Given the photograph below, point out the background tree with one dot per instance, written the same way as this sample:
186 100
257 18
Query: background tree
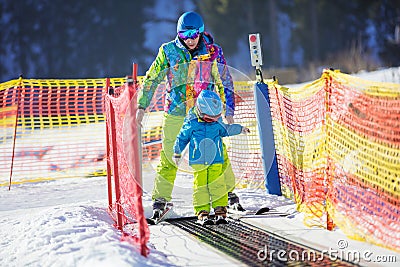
385 16
222 19
71 39
231 21
81 39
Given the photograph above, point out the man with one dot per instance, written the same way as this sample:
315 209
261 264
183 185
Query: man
191 62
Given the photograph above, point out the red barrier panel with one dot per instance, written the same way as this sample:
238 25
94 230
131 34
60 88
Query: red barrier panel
125 166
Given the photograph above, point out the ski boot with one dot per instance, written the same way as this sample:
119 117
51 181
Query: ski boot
159 211
220 215
203 218
233 204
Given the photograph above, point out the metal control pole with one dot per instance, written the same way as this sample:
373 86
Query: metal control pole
256 54
264 120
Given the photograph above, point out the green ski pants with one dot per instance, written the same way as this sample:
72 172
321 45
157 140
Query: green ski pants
208 187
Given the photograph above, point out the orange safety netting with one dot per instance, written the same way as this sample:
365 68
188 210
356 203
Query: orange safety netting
125 206
243 150
51 129
338 150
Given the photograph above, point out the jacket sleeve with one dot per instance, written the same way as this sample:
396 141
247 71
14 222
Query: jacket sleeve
224 83
154 76
183 137
230 129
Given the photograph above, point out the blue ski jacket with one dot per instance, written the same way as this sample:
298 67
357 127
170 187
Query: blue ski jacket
205 139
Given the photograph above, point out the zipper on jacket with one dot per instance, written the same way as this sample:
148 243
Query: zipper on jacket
194 150
219 147
200 71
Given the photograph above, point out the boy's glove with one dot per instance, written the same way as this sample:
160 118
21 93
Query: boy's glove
176 158
245 130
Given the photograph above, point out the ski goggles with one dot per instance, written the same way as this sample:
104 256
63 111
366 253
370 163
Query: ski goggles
208 118
189 34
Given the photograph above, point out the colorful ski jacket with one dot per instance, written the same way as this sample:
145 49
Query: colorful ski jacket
205 139
187 75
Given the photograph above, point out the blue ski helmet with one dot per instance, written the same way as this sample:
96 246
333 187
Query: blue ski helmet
209 106
190 21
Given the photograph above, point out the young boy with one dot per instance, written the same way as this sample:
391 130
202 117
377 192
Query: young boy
203 129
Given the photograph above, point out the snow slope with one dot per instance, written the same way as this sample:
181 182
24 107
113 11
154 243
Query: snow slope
65 223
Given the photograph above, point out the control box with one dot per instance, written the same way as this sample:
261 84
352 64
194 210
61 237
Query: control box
255 49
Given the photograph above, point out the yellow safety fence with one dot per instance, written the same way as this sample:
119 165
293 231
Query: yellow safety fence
338 147
60 130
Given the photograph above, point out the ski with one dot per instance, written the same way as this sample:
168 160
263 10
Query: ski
206 221
212 220
248 212
236 208
163 215
220 220
262 212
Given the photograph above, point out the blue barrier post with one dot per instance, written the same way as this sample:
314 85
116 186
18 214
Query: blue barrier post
264 120
267 143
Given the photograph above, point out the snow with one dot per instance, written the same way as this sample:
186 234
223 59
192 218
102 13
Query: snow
64 223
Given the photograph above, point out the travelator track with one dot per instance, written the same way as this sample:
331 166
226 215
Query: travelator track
254 246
